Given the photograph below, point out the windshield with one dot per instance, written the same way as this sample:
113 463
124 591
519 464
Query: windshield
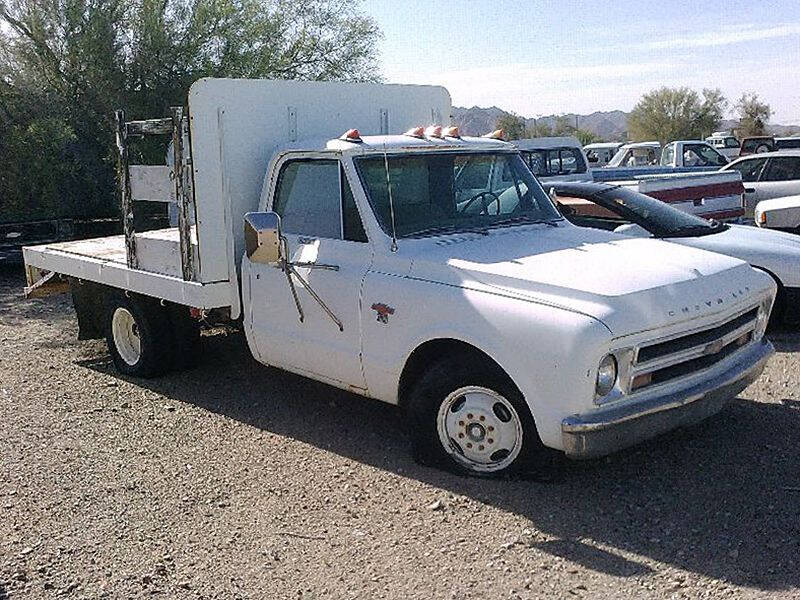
657 217
449 192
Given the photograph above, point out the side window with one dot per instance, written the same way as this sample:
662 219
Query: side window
353 226
668 156
731 142
750 169
308 198
782 168
537 163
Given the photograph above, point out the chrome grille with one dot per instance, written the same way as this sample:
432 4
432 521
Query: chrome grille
664 360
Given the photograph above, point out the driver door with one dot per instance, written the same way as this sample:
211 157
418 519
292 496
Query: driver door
323 228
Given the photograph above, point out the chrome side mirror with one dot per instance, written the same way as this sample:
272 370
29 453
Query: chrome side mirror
262 237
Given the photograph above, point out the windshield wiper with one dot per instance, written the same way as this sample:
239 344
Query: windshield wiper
445 229
526 219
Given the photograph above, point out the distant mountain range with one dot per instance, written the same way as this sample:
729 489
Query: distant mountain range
609 126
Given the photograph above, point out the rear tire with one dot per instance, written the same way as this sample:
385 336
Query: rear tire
138 335
467 416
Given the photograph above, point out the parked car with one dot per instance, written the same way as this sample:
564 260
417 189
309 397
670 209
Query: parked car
385 265
555 158
768 175
600 153
628 212
779 213
725 143
787 143
757 144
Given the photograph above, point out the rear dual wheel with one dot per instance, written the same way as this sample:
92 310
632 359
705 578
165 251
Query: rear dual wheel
146 339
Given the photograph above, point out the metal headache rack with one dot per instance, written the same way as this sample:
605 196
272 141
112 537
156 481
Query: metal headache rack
156 183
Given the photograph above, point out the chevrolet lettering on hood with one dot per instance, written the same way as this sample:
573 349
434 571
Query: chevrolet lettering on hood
686 310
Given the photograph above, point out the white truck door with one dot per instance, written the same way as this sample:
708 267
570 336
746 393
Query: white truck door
323 229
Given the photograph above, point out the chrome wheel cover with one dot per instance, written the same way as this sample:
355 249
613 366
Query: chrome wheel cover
480 429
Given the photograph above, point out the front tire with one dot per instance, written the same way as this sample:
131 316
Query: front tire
468 417
139 336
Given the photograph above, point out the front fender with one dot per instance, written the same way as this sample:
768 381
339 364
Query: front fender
550 353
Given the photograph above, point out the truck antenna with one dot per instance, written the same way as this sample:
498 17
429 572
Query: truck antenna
391 200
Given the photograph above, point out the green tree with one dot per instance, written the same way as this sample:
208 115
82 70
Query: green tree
668 114
753 115
65 66
539 129
512 124
563 126
585 136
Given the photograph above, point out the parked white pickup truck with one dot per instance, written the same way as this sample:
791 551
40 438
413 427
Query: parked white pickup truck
424 269
647 158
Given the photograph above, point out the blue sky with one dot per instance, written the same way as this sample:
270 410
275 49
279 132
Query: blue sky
541 57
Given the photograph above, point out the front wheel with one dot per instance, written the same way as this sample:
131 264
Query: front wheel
469 417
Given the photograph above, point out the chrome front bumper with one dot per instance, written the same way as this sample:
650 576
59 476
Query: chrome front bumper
607 430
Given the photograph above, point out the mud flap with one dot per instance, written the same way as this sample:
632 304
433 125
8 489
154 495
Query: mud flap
89 300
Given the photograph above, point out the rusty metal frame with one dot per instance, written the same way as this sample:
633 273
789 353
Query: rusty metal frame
180 173
124 186
176 126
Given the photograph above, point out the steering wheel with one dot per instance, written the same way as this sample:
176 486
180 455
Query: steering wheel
484 205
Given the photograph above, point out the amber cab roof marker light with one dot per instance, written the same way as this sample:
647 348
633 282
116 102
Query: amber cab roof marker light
434 131
351 135
417 132
497 134
451 132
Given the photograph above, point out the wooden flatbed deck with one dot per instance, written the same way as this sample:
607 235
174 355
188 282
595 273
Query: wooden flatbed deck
103 260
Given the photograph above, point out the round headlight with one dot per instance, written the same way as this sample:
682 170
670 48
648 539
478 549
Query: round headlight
606 375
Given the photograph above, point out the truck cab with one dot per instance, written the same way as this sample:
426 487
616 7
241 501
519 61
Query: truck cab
555 158
599 154
691 154
725 143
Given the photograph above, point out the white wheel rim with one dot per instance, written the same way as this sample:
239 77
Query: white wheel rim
126 336
480 429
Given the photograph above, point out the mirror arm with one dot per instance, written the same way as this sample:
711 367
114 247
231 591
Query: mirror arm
310 265
290 269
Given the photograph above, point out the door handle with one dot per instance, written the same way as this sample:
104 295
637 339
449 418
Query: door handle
306 240
749 190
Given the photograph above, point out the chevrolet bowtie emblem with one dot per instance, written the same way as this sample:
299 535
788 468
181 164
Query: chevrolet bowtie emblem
713 347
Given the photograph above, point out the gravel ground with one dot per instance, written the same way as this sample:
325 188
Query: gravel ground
238 481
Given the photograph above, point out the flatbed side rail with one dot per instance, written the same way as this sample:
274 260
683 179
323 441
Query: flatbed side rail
156 183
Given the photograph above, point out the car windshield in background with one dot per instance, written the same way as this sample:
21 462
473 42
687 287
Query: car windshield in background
657 217
445 193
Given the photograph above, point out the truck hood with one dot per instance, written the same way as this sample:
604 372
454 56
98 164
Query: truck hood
629 284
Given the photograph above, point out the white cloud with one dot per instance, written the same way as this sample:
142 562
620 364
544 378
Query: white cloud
730 35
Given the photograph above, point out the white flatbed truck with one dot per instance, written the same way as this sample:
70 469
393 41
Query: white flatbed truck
424 269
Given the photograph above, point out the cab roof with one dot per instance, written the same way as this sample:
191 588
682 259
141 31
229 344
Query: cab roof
547 142
396 144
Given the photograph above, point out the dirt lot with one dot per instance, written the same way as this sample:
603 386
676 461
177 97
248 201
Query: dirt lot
238 481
